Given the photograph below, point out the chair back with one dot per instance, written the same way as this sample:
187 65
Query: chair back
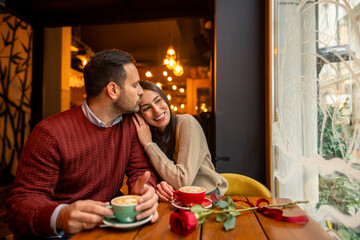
240 185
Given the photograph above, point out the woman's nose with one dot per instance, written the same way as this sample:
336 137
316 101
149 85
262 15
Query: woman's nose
156 109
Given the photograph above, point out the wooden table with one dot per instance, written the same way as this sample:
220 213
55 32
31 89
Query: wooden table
249 225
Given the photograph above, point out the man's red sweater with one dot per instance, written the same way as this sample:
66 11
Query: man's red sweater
67 158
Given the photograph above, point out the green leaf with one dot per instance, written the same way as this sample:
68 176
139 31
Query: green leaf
229 223
222 204
220 217
197 208
201 219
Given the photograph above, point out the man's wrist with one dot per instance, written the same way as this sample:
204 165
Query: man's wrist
54 220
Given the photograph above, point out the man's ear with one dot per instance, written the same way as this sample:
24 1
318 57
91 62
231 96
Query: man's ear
113 90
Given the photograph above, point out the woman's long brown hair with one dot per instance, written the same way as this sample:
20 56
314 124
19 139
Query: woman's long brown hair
165 140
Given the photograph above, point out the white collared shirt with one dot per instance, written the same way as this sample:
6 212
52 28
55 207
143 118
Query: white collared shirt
91 116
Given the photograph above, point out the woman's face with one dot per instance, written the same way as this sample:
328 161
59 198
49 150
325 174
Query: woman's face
154 110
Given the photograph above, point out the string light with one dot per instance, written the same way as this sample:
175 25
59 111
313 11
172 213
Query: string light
182 90
174 87
169 79
148 74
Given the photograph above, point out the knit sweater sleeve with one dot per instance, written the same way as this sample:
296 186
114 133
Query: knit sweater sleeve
190 151
138 163
29 204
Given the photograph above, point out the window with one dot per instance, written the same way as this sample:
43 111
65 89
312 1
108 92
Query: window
316 109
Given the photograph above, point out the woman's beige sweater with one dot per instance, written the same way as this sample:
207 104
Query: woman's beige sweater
192 158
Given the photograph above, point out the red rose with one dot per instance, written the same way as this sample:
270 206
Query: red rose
183 222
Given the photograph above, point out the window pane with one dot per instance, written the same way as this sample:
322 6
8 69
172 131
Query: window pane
315 132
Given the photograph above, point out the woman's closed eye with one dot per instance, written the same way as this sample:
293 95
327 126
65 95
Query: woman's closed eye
145 109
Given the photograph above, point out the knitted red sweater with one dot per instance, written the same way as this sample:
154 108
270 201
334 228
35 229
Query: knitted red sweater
68 158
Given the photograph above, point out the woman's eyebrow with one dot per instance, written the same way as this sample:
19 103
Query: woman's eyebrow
148 104
156 98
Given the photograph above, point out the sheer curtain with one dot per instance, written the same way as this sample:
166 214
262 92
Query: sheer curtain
315 105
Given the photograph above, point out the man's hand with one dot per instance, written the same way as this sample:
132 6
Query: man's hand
148 202
81 215
164 191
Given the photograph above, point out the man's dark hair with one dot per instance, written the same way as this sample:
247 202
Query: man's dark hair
104 67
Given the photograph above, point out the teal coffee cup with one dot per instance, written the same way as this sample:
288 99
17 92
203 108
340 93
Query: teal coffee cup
124 208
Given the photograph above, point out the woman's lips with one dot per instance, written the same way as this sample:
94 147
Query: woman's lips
160 117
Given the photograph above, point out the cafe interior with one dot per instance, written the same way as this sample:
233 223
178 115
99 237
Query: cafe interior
220 61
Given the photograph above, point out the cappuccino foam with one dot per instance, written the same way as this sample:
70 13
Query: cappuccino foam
192 189
126 200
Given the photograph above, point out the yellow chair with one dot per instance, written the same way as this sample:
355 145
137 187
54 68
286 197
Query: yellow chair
240 185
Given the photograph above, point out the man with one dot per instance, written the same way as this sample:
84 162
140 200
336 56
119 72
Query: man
74 162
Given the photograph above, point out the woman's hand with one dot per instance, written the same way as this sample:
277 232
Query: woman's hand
164 191
142 129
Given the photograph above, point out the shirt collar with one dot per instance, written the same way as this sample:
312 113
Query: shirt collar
91 116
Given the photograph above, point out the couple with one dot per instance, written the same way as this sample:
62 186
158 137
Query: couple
74 162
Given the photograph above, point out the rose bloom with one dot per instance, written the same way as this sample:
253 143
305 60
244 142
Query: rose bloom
183 222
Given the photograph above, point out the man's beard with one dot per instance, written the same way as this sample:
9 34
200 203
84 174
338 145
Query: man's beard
120 106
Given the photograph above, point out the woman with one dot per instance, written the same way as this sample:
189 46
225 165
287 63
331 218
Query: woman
176 146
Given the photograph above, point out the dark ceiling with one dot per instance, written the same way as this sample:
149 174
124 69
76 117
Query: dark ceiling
145 28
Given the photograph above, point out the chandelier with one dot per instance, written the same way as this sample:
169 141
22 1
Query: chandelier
173 63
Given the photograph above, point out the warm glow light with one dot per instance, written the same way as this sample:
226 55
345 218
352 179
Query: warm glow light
175 108
172 106
169 97
169 79
182 90
148 74
166 61
171 63
84 62
182 105
165 73
174 87
178 69
170 51
159 85
347 81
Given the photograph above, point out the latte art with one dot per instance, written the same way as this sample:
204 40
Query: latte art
192 189
126 200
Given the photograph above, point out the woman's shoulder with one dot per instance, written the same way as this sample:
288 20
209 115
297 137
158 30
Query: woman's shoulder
187 120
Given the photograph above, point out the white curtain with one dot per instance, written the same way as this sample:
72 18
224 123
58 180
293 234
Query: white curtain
315 129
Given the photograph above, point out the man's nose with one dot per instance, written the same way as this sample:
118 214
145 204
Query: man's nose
141 91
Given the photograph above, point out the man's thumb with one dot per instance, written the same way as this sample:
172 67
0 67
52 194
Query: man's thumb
143 179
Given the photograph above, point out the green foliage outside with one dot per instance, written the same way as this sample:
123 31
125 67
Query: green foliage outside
337 191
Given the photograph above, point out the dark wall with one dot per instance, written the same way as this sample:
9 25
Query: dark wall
240 87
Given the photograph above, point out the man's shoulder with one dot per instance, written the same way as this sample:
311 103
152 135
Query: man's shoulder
60 118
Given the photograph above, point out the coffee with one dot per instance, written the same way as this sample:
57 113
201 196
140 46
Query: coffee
124 208
192 189
126 200
190 195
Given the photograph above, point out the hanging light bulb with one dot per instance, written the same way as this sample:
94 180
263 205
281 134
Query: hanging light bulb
171 63
178 69
170 51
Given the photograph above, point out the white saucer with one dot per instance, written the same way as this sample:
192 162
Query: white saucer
206 203
113 222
